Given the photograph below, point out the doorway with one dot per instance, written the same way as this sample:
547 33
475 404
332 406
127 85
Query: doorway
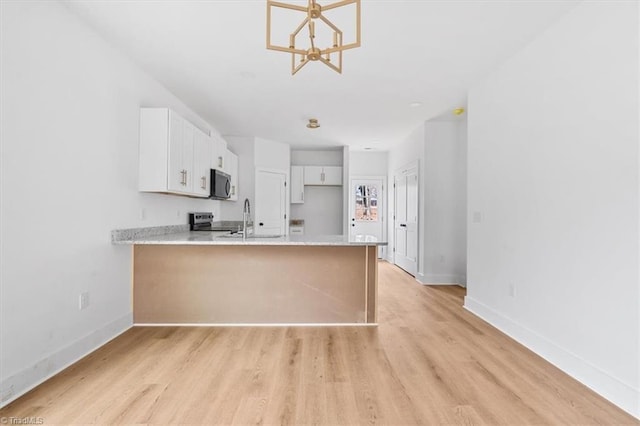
405 219
366 207
271 202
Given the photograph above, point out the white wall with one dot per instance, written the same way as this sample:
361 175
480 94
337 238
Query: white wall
368 163
272 155
322 209
69 154
553 176
445 225
316 157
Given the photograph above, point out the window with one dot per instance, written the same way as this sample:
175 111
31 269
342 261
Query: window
366 203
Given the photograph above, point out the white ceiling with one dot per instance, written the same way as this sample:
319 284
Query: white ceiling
212 55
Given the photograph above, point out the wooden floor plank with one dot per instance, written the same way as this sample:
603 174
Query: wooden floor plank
428 362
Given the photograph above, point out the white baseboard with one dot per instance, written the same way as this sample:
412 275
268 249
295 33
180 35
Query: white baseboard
609 387
13 387
441 279
199 324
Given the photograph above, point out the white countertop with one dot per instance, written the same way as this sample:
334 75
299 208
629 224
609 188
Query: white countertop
217 238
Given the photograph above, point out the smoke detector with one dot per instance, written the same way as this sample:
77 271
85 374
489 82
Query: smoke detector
313 123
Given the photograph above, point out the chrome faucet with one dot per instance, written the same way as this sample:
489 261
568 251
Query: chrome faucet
246 216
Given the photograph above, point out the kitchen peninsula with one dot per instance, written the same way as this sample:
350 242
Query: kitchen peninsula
214 278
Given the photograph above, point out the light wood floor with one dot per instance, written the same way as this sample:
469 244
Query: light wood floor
429 362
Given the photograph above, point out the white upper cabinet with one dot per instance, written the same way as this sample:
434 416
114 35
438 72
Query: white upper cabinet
297 184
219 154
232 167
332 175
188 135
313 175
177 173
323 175
175 155
201 163
225 161
167 152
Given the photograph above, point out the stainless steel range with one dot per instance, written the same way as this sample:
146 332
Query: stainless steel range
202 221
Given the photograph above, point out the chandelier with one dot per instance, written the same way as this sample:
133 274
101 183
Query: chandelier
305 49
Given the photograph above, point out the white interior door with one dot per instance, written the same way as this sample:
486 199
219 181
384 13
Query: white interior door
366 208
270 216
406 220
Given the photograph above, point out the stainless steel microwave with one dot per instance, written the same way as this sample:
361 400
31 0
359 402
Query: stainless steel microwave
220 185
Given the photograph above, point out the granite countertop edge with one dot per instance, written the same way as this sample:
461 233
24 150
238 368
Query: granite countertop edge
179 235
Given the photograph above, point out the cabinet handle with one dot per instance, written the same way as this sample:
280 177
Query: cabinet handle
185 177
233 190
220 162
302 195
204 182
322 176
183 181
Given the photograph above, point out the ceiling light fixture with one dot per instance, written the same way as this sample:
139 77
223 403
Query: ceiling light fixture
313 123
310 51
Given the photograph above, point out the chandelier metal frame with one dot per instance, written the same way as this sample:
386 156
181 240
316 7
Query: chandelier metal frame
313 12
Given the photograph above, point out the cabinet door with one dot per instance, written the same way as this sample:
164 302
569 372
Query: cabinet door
232 165
332 175
201 160
176 175
219 154
188 135
313 175
297 184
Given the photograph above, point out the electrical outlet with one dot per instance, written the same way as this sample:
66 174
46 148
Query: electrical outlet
512 290
83 300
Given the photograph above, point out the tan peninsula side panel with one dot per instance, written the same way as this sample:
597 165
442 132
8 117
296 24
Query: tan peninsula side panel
252 284
372 283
